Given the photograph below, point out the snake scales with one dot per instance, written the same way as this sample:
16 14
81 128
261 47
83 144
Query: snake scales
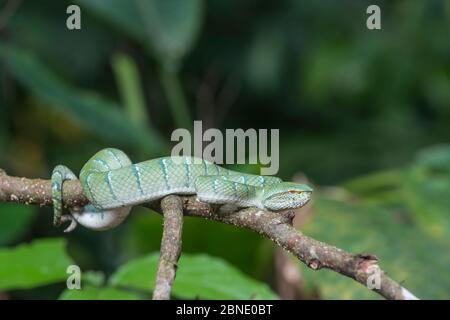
113 184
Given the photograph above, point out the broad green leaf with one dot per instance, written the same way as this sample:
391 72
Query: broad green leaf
426 186
96 114
123 15
171 26
144 235
409 255
31 265
93 293
168 28
14 221
198 276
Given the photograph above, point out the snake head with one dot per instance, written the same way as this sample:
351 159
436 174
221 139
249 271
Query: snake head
286 195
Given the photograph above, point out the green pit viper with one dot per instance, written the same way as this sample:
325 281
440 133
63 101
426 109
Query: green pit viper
113 184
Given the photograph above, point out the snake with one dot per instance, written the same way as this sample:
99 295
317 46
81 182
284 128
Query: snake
113 185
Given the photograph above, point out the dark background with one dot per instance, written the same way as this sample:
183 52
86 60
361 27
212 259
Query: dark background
364 115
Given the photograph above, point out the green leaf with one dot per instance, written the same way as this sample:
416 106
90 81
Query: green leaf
128 82
198 276
93 112
93 293
144 235
40 263
409 256
426 186
171 25
420 189
168 28
122 14
14 221
175 98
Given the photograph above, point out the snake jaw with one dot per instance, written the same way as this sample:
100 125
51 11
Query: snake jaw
73 223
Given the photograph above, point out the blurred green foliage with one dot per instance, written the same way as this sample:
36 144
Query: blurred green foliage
364 114
198 277
26 266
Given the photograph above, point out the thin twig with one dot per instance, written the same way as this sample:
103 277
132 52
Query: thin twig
275 226
172 208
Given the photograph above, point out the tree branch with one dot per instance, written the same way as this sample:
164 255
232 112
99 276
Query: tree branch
172 208
275 226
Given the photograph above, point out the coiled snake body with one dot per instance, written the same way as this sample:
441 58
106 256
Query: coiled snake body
113 184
